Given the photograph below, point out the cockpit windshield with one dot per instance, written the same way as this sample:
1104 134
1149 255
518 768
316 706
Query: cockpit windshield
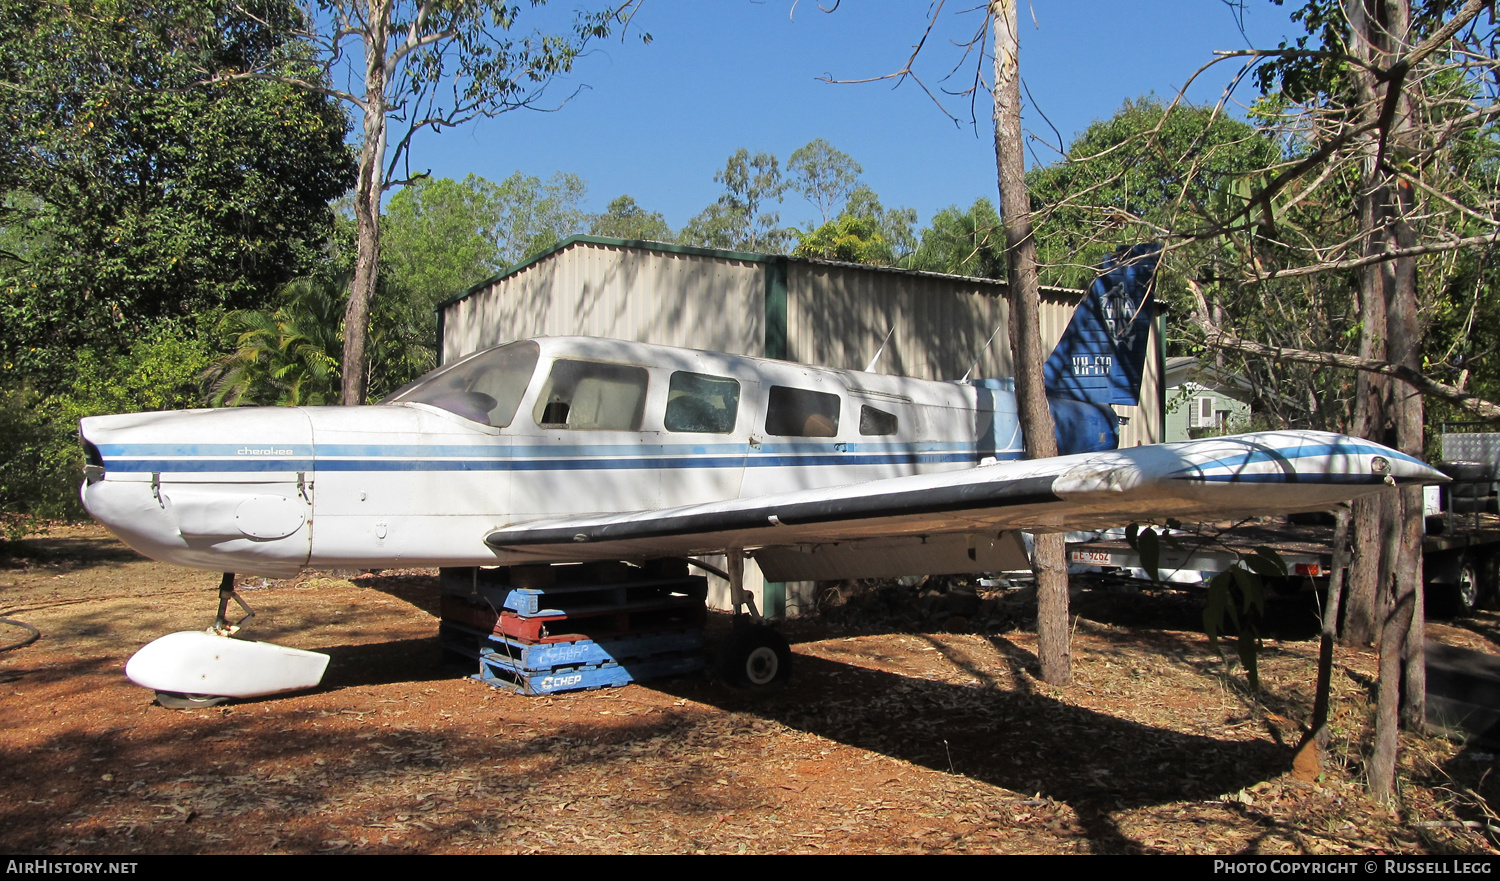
485 387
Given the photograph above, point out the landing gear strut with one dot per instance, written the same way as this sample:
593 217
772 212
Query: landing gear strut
222 627
755 656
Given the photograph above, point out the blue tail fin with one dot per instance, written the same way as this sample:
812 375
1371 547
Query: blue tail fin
1102 355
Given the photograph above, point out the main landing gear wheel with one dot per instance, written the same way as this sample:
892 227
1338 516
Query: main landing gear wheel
173 700
756 657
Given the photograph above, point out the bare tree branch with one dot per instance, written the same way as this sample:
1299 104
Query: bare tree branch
1216 337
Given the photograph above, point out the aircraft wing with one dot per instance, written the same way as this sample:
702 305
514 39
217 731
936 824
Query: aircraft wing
856 527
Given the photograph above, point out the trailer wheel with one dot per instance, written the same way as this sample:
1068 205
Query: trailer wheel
1468 588
1460 598
756 657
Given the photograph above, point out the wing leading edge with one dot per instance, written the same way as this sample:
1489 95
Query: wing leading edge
972 510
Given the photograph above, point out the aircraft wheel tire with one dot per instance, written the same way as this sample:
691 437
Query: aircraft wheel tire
756 657
173 700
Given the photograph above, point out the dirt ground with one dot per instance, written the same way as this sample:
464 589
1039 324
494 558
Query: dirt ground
894 736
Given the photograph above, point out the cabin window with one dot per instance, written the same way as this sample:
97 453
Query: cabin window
485 387
795 412
592 396
700 403
873 421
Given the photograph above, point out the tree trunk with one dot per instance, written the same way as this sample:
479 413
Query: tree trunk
1307 759
1365 610
1405 333
1381 30
1048 560
367 192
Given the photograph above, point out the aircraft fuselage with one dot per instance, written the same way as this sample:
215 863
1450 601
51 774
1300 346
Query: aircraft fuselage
551 427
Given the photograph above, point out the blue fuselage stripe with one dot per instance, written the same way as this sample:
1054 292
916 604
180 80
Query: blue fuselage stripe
151 458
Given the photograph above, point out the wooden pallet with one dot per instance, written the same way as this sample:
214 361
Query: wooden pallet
673 613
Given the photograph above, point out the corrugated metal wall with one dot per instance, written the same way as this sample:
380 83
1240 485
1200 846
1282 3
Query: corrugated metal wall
837 316
1145 425
593 289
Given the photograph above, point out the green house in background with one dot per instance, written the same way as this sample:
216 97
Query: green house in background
1203 401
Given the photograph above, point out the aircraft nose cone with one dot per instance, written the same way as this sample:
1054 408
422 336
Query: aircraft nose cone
212 489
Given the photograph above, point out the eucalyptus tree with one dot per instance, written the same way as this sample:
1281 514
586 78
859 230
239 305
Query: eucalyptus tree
741 218
824 176
623 218
962 242
897 225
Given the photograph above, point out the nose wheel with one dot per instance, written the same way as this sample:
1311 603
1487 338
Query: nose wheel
173 700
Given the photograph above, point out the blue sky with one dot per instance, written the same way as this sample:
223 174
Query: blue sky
656 121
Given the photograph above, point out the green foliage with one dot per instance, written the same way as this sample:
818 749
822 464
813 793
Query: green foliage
440 236
289 356
1236 596
823 175
1127 178
960 242
532 216
41 462
133 191
1306 76
896 224
24 440
850 239
624 219
736 221
1445 144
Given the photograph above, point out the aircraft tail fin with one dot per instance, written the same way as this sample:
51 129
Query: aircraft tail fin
1102 355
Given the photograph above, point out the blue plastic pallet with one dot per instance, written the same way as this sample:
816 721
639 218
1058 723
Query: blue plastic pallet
502 675
543 657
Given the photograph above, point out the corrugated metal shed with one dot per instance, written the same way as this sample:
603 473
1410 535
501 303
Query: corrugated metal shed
811 311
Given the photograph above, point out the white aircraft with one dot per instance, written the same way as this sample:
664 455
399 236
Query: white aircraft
571 449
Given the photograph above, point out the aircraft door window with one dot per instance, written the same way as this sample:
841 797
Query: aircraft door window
873 421
700 403
592 396
794 412
485 387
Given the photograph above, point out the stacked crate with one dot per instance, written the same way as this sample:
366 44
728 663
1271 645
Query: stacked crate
546 629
